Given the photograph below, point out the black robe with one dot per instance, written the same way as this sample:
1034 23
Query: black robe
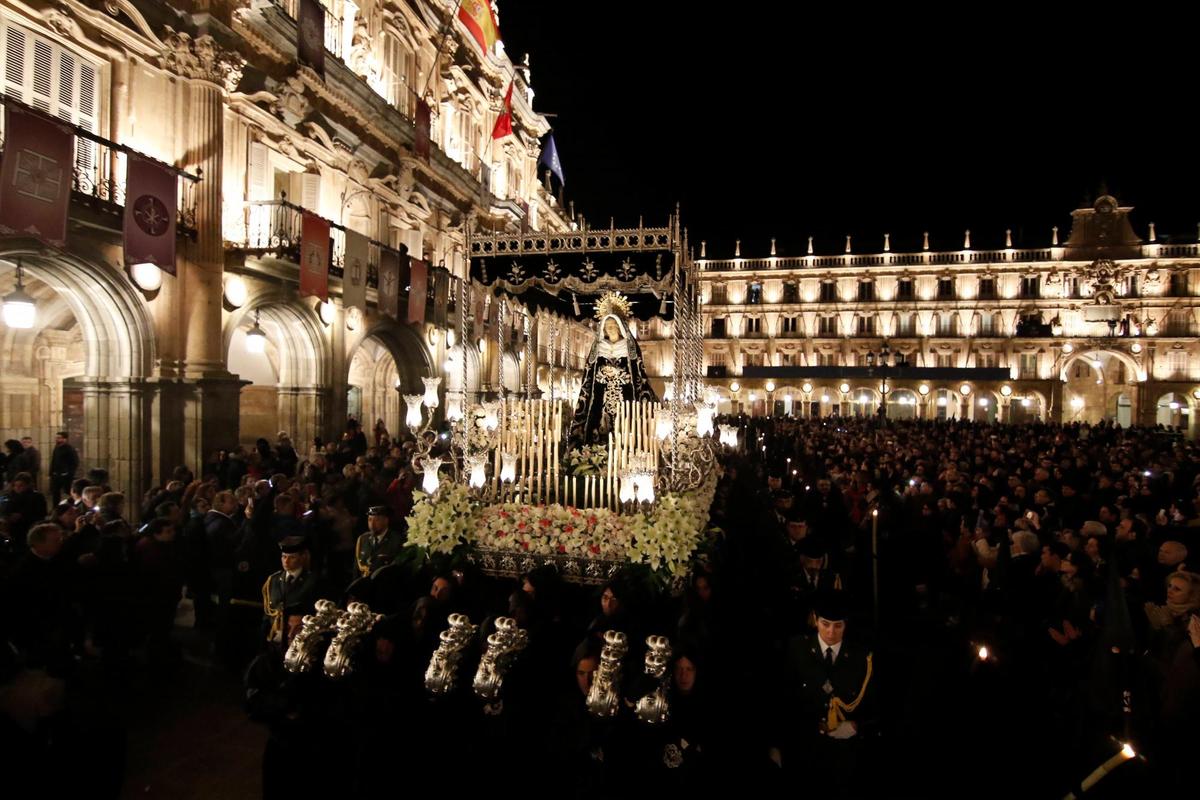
591 425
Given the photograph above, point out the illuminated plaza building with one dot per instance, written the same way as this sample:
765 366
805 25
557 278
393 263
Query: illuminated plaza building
1099 324
148 370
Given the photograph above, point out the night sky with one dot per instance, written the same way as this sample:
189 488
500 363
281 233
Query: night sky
784 121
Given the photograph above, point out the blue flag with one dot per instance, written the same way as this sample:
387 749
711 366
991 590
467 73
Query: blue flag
549 157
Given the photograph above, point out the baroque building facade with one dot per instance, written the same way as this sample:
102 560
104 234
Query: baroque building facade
149 370
1102 325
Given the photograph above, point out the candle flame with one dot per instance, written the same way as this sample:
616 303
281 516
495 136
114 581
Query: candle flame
983 653
1127 750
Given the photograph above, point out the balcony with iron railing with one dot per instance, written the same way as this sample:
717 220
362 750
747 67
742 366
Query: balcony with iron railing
99 173
333 23
273 228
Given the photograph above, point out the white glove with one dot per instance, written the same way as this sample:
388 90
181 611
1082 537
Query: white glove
844 730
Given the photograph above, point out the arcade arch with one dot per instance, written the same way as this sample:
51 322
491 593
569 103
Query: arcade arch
81 367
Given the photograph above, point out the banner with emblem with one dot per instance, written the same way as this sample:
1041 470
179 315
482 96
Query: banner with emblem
354 271
150 212
417 291
35 175
441 296
310 40
389 283
314 257
421 145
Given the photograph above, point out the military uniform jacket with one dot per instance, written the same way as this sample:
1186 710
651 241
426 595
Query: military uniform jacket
371 554
279 593
808 687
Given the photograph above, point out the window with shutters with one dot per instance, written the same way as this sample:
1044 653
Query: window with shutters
719 295
1027 365
1030 287
866 291
1177 364
716 359
987 288
827 359
986 328
50 78
945 289
904 289
827 326
906 324
828 292
866 326
787 359
947 324
985 359
752 359
394 77
945 359
791 325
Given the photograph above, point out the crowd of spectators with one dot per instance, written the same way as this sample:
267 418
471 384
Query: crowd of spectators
1004 605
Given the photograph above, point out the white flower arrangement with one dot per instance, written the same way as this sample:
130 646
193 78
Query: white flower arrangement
663 539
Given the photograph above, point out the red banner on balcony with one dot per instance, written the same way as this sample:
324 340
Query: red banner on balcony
314 257
35 175
423 131
418 289
310 42
389 283
151 193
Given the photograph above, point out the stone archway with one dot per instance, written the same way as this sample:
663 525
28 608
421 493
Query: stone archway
1093 379
287 386
82 367
1029 407
1176 410
387 361
902 404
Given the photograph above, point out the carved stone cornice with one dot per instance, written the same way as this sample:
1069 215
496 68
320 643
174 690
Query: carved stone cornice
200 58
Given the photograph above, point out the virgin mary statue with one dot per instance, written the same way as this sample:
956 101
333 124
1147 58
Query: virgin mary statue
614 374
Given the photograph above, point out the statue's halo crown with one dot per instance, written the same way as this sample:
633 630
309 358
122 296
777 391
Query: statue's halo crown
613 303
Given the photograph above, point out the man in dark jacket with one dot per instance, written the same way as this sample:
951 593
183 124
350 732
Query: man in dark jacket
64 463
22 507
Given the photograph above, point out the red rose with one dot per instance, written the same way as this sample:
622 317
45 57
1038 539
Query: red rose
562 548
500 534
595 549
574 512
504 514
591 520
545 523
524 545
521 525
568 529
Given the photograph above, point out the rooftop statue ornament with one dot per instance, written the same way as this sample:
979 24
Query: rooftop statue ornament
615 373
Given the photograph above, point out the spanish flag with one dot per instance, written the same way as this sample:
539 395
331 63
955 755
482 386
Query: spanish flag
477 16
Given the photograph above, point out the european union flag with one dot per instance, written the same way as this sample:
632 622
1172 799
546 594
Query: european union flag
549 157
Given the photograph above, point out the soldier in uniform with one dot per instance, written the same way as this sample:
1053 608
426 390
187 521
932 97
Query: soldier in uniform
828 701
380 545
294 586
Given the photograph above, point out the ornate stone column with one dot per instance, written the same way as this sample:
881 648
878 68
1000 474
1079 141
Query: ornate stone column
206 396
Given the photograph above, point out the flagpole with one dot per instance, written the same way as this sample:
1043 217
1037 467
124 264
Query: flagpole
437 56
